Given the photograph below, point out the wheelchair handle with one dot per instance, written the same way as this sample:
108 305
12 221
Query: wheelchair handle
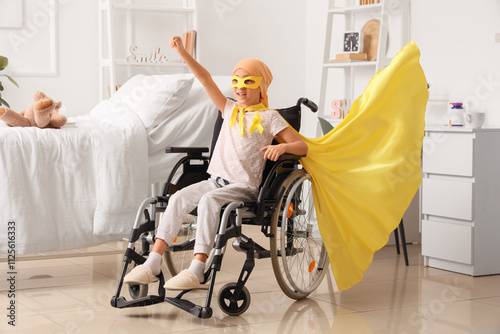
308 103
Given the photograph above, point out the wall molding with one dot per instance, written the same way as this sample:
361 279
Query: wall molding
48 11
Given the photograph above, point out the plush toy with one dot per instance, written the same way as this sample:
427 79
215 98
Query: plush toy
43 113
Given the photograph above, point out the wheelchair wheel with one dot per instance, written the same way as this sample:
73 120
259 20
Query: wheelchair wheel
298 255
233 307
137 290
177 261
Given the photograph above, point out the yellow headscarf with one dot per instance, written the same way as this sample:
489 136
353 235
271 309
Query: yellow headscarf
258 69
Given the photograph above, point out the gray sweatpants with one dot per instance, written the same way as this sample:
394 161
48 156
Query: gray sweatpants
209 196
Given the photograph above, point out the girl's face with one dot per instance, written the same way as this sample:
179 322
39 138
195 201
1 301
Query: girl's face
246 97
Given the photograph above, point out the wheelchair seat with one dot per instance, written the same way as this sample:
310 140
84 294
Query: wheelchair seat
284 211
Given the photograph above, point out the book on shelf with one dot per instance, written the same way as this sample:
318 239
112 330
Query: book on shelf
189 40
357 56
348 60
116 87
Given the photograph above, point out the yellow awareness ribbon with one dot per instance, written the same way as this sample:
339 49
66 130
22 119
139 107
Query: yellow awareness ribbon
256 124
234 115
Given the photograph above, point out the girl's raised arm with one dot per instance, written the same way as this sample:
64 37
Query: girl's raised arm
200 72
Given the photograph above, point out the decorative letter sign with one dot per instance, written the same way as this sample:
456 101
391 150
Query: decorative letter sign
340 108
155 57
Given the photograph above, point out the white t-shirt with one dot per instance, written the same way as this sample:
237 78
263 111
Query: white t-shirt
240 159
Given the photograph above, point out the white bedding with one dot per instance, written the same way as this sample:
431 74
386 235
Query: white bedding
191 126
81 185
73 187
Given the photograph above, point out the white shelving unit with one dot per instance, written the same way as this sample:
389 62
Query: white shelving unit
348 14
342 80
110 63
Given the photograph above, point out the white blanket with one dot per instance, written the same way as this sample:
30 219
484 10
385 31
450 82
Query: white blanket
82 185
75 186
190 126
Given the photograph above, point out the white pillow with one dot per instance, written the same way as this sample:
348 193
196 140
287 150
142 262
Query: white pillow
153 97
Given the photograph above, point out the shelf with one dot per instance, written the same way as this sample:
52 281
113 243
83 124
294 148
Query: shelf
340 19
356 9
123 62
353 64
463 129
151 8
112 66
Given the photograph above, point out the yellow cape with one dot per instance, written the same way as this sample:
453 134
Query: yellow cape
366 171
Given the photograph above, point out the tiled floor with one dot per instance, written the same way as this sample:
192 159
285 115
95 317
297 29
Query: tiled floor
72 295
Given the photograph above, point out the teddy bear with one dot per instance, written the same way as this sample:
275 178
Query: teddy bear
43 113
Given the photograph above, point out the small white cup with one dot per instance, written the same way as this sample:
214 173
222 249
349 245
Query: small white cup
475 120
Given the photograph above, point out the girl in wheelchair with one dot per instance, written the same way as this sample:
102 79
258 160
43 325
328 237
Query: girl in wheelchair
244 144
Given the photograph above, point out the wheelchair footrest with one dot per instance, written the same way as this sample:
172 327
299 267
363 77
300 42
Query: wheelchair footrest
186 305
261 252
121 302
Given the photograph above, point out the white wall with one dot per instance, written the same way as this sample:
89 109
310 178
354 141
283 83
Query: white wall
458 52
315 27
229 30
456 38
272 31
76 81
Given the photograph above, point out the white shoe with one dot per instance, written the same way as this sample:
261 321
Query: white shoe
185 280
140 275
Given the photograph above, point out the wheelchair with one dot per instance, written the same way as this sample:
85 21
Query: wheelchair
284 211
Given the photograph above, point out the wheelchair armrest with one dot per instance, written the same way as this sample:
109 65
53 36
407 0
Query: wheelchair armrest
291 157
284 159
193 152
186 150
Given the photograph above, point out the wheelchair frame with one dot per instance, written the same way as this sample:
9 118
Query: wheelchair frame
280 200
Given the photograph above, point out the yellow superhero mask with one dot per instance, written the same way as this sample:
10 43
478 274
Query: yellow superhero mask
250 82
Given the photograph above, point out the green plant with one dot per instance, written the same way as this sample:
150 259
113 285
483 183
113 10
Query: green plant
3 64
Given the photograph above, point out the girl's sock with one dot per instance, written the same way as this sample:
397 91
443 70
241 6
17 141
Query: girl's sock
154 262
198 268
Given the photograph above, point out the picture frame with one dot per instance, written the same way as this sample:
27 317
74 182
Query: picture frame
352 41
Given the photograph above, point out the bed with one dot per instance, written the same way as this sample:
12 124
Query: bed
81 185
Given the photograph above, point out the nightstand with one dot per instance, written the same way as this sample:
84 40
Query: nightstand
460 200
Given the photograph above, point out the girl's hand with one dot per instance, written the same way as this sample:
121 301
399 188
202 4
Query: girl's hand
176 44
273 152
